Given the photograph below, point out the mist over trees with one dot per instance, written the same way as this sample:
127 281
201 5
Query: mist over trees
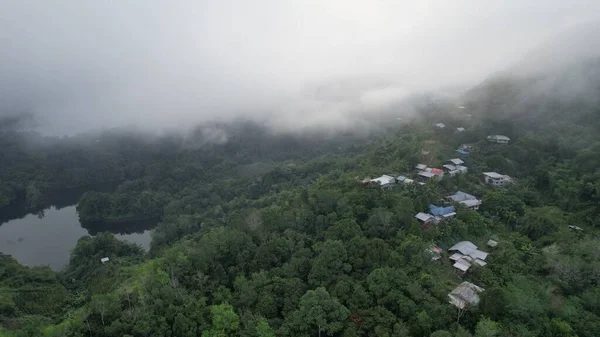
250 131
272 235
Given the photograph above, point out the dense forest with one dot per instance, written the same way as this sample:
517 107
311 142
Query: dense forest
274 235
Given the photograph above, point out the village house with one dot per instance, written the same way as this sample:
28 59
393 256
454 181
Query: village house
385 181
404 180
421 167
455 167
424 218
462 152
498 139
436 214
460 129
465 199
436 252
442 213
496 179
454 170
440 125
464 295
465 255
429 173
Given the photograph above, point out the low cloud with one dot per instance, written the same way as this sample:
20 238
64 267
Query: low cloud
78 65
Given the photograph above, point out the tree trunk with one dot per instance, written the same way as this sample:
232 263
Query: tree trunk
88 325
319 331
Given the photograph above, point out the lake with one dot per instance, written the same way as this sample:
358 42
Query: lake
48 240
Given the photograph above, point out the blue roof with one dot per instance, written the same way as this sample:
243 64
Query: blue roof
437 210
463 152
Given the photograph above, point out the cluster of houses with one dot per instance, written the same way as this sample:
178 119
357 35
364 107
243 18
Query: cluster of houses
463 256
453 167
387 181
440 213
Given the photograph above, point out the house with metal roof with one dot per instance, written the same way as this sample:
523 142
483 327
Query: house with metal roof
498 139
456 161
385 181
462 153
460 129
424 217
466 254
449 167
440 125
465 199
496 179
464 295
445 212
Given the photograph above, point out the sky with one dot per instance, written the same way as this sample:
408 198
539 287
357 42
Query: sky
78 65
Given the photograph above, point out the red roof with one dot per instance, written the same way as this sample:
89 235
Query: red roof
436 171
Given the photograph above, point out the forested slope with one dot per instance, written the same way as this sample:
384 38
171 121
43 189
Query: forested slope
298 247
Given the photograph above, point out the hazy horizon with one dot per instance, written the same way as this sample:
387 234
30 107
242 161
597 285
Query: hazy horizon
77 65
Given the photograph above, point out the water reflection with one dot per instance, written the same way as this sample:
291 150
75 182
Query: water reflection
58 200
46 236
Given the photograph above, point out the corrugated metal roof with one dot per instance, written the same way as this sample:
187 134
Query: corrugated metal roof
471 202
462 265
456 256
449 167
498 137
463 246
384 179
423 216
480 263
437 210
426 174
494 175
456 161
465 294
461 196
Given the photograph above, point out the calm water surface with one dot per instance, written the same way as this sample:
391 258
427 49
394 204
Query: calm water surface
48 240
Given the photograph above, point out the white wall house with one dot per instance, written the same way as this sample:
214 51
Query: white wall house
385 181
498 139
496 179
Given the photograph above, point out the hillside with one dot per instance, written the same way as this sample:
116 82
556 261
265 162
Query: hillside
278 237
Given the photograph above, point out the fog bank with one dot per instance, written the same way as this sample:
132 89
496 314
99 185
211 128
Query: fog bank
77 65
